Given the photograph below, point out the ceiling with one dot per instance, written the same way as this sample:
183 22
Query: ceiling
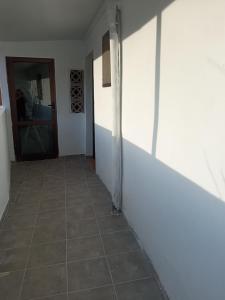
41 20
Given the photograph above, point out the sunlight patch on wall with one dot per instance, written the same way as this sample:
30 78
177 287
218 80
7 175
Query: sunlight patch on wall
191 137
139 85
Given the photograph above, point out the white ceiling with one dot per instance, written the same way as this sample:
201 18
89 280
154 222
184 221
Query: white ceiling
39 20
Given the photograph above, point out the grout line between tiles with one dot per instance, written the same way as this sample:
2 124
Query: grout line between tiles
91 289
105 256
28 256
66 240
63 240
73 292
107 263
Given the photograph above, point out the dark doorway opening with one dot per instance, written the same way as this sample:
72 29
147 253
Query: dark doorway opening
90 110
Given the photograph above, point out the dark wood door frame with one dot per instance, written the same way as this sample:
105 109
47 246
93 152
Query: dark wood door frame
93 108
10 61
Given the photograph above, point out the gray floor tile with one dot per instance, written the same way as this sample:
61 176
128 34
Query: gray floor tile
18 222
54 182
129 266
13 194
119 242
73 171
84 248
13 259
39 190
103 209
52 232
139 290
81 228
58 297
76 180
72 195
51 217
80 211
54 190
112 223
25 189
43 282
10 284
94 181
75 189
94 184
88 274
56 170
15 238
54 179
28 187
17 209
74 168
98 196
97 189
53 193
47 254
101 198
25 198
106 293
77 199
56 194
51 204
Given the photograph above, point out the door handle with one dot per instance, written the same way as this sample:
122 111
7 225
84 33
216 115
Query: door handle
52 107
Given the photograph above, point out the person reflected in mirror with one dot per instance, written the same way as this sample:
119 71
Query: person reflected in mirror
20 105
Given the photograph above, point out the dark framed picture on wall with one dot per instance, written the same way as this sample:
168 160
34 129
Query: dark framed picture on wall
106 60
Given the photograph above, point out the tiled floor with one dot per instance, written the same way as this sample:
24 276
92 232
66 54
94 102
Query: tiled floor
58 240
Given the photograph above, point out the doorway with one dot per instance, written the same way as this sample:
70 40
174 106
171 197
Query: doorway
32 93
90 109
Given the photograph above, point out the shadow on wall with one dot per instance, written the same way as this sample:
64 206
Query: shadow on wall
103 147
179 223
144 15
148 11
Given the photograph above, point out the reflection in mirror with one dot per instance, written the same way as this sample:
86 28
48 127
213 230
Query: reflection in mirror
36 139
33 94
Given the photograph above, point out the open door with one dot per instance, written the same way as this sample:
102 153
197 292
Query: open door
31 84
90 111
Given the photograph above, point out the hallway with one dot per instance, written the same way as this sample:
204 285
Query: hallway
59 241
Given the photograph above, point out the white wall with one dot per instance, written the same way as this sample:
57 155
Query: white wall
4 164
173 138
103 102
67 55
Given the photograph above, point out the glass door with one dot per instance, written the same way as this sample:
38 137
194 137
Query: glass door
33 107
